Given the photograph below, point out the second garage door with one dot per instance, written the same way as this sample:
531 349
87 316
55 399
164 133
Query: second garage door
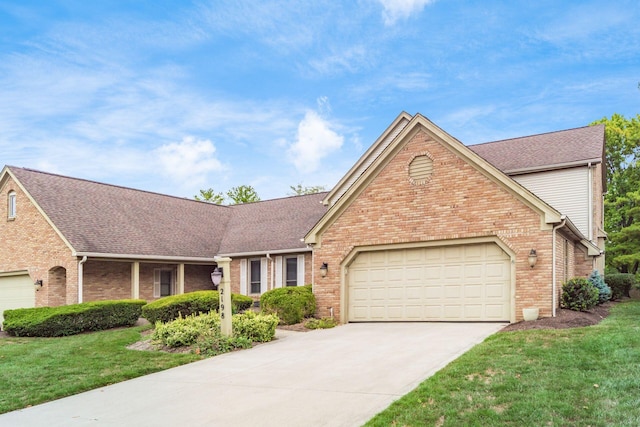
16 291
447 283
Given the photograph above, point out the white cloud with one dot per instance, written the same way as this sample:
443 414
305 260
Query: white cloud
315 141
189 160
401 9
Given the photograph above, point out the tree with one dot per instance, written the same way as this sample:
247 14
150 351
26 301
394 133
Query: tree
299 190
243 194
622 201
210 196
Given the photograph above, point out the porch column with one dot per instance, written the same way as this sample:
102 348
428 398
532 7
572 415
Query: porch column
180 284
135 280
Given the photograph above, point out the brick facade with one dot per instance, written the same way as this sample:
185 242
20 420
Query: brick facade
457 202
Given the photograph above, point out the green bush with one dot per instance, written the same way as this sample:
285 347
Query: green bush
71 319
290 304
324 323
604 291
204 330
170 308
579 294
620 284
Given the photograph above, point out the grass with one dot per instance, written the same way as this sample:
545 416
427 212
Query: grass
36 370
579 377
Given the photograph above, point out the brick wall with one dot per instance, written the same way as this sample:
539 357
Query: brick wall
106 280
457 202
29 243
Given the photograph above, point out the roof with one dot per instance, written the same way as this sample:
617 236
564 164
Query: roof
545 151
272 225
96 218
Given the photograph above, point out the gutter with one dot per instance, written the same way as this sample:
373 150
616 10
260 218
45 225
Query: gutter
258 253
553 263
143 257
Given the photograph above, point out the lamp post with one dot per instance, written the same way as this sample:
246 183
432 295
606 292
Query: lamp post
224 289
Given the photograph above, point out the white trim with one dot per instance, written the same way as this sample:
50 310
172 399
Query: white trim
142 257
300 272
264 253
544 168
156 283
243 277
14 273
263 275
12 204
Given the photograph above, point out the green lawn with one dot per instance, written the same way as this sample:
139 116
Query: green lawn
36 370
573 377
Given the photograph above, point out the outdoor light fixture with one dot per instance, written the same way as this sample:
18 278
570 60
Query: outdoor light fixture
217 276
533 258
38 284
323 269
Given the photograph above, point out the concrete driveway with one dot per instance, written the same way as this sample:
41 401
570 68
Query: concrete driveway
334 377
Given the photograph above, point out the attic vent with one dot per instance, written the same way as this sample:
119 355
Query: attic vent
420 169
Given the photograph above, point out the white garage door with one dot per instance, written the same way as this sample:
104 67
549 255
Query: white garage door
448 283
16 291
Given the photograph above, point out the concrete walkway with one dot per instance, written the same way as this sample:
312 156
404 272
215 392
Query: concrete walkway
334 377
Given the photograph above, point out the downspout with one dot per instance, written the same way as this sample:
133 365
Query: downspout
80 277
553 261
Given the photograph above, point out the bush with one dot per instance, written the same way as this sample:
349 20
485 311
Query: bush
170 308
604 291
203 331
620 284
324 323
579 294
290 304
71 319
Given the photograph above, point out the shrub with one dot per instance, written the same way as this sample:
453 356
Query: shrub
170 308
71 319
324 323
604 291
256 327
579 294
203 331
620 284
290 304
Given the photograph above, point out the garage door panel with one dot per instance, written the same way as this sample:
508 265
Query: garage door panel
16 291
467 282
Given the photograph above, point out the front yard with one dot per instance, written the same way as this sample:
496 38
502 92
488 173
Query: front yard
579 377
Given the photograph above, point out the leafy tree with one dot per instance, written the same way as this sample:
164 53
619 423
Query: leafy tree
243 194
299 190
622 201
210 196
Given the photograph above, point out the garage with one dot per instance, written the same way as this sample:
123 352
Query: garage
445 283
16 291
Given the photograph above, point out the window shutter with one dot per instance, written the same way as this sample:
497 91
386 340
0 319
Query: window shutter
243 277
278 283
156 283
263 275
300 270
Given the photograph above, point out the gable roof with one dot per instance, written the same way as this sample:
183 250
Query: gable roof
377 162
277 225
98 219
545 151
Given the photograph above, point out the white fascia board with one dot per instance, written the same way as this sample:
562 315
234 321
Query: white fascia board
275 252
143 257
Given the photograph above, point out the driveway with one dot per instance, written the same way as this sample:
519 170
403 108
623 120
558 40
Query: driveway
334 377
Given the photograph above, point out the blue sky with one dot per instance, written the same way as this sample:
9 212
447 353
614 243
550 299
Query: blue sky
175 96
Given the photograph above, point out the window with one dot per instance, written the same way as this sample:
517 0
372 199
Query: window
254 276
11 208
163 282
291 271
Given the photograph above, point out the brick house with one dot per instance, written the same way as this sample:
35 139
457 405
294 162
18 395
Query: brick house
421 228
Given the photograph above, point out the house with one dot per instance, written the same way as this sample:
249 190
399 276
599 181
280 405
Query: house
421 228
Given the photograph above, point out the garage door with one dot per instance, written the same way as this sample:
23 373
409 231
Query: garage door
16 291
448 283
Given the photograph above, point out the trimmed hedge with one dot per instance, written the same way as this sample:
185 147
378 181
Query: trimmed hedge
620 284
579 294
170 308
290 304
71 319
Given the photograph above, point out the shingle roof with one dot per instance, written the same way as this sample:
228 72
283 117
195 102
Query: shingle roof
109 219
544 151
272 225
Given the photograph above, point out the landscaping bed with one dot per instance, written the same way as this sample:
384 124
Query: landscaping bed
565 319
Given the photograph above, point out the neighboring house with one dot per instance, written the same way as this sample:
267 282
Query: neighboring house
421 228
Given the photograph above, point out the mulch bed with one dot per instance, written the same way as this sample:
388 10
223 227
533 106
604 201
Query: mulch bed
565 319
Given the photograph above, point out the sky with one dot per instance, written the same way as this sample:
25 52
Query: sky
177 96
